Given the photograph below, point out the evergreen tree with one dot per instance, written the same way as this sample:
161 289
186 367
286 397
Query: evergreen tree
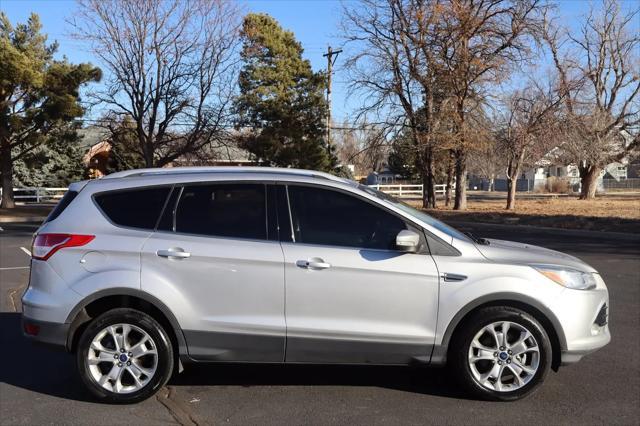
39 96
281 98
54 164
125 151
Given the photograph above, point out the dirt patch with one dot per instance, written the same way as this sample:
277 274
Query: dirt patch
602 214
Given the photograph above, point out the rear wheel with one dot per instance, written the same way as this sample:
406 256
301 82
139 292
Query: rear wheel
124 356
501 353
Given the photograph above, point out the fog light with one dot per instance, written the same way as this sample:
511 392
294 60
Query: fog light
31 329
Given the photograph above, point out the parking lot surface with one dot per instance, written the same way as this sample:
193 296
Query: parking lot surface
38 386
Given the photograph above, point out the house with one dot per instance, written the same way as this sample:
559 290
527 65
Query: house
383 177
96 143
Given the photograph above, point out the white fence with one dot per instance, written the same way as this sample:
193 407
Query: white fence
37 195
409 191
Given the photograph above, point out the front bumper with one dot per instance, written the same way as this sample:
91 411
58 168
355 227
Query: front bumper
584 316
49 333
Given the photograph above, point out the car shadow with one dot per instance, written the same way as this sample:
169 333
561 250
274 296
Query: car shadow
52 372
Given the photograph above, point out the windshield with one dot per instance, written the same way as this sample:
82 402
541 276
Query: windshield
418 214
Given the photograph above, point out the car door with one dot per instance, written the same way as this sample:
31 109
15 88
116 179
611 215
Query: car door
217 264
351 297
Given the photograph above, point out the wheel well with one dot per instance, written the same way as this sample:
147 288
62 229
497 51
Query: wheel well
531 310
99 306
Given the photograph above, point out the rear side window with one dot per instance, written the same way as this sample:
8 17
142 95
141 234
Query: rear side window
223 210
62 204
326 217
138 208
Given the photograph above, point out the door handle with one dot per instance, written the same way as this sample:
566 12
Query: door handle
173 253
451 278
313 263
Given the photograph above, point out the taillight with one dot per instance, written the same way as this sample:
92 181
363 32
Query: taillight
45 245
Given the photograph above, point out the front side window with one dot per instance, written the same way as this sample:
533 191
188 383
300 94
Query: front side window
223 210
137 208
326 217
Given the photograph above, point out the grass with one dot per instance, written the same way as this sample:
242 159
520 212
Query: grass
616 214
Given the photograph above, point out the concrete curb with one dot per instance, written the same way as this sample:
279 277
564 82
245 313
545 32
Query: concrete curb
568 232
22 219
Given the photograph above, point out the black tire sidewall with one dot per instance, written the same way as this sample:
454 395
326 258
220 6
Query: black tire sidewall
149 325
483 318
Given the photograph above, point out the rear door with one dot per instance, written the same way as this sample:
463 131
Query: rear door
216 261
351 297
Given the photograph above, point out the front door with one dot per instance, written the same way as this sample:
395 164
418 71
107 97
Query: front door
215 263
351 297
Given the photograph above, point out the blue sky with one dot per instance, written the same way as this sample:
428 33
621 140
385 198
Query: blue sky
314 22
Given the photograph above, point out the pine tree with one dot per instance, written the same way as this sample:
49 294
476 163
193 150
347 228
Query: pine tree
281 98
39 96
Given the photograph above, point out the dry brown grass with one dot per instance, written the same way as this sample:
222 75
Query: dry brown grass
602 214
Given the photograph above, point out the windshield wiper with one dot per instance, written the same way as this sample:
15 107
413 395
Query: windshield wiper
477 240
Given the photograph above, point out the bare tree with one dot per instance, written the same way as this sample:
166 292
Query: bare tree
365 147
526 132
393 66
599 78
484 40
171 69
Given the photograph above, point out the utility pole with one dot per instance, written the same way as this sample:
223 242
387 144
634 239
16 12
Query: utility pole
331 56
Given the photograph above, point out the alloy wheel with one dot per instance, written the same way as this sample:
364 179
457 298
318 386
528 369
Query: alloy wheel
122 358
504 356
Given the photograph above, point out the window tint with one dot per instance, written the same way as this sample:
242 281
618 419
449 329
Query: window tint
62 204
139 208
224 210
328 217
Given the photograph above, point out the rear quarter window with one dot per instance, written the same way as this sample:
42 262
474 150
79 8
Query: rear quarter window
135 208
64 202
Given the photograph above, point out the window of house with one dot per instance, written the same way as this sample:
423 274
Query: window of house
327 217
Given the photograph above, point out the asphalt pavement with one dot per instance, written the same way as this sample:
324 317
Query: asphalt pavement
39 386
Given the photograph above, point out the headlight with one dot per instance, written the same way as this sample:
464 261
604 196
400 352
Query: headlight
568 277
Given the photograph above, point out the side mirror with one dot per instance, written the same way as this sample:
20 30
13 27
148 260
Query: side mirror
407 241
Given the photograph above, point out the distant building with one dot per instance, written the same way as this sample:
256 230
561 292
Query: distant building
96 143
383 177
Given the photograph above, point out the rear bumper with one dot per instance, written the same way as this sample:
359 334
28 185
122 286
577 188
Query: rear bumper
48 333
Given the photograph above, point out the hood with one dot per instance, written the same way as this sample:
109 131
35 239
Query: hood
512 252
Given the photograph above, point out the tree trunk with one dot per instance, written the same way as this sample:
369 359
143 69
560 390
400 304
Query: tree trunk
6 170
513 171
447 191
589 182
461 181
512 183
428 181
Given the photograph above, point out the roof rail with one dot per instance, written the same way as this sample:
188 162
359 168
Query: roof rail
213 169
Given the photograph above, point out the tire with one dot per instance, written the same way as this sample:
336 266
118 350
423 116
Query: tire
116 376
490 371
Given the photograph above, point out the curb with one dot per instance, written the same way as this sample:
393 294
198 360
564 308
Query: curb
569 232
22 219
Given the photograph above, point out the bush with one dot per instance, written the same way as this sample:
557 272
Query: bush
558 185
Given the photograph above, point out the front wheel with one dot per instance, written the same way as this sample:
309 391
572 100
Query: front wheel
501 353
124 356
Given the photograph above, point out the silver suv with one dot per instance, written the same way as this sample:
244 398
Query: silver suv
144 271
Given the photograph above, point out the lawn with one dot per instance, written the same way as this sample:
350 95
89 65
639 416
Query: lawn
617 214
